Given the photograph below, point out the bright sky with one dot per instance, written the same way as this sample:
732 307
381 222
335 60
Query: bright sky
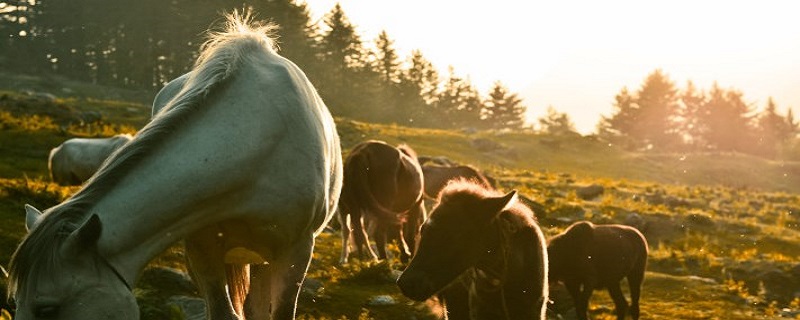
576 55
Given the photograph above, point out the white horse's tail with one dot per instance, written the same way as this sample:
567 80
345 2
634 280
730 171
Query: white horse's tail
238 285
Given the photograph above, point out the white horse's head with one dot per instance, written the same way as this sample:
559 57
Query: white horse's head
57 273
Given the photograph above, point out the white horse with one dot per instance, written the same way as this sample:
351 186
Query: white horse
244 163
77 159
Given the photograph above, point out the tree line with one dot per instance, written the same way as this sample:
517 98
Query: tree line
144 44
661 116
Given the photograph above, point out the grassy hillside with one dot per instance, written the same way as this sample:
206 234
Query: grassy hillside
723 229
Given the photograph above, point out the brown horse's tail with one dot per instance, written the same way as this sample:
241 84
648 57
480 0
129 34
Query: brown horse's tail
238 285
362 188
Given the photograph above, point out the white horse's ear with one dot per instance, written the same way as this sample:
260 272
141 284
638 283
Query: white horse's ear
85 236
31 216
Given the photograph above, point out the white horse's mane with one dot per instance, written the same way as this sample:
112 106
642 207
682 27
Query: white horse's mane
219 59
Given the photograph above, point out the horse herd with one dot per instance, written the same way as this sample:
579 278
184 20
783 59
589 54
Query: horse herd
242 161
481 251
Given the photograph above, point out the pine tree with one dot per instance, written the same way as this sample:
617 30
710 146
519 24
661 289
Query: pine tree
648 119
391 95
619 127
504 110
658 112
18 33
418 90
792 127
387 61
556 123
295 30
693 101
458 104
773 130
724 120
341 52
423 77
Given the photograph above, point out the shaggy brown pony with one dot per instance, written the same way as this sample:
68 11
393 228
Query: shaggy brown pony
382 184
587 257
491 245
437 177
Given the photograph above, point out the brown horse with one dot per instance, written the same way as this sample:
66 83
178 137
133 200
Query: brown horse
489 243
382 184
587 257
437 177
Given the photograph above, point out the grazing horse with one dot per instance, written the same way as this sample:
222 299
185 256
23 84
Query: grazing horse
243 163
77 159
487 242
382 184
587 257
437 177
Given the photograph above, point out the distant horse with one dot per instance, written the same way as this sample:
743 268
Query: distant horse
383 185
77 159
244 163
437 177
491 244
438 160
587 257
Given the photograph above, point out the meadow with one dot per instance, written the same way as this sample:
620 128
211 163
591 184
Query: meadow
723 228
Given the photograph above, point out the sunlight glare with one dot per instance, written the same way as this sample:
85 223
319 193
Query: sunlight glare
576 55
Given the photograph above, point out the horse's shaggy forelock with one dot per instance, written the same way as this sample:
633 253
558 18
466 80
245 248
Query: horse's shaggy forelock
463 188
219 58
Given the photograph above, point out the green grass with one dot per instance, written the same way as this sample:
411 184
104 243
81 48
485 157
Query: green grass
728 218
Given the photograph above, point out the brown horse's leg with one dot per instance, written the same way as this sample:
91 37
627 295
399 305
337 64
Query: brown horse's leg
581 299
380 235
416 217
360 235
344 224
620 304
397 234
635 283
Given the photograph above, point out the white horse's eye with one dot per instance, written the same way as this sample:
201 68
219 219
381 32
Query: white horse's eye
46 312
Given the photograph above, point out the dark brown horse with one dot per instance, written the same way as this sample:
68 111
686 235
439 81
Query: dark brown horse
487 242
587 257
437 177
382 184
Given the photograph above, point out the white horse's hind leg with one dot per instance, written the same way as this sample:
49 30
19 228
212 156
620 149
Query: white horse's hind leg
286 274
207 269
257 305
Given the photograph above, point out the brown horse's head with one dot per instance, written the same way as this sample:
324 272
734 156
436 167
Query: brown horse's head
454 238
566 251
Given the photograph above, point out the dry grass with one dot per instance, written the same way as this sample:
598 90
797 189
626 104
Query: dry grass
702 223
